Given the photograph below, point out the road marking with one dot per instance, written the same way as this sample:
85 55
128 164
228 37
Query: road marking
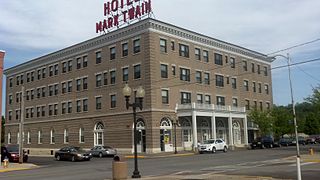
302 164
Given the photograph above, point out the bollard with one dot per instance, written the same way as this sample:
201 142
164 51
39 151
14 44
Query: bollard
5 163
119 168
311 151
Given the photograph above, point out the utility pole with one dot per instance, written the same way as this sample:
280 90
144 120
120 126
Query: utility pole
21 127
2 53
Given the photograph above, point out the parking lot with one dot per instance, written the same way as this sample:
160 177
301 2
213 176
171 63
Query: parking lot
275 162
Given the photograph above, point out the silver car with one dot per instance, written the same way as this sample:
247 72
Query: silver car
103 151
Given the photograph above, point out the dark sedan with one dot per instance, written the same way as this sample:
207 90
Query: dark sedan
11 152
103 151
72 153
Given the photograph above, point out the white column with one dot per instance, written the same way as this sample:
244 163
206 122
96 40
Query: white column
194 127
213 126
230 131
245 128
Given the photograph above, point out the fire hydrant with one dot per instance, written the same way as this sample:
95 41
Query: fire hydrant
311 151
5 163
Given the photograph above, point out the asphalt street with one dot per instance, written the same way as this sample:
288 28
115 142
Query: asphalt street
276 162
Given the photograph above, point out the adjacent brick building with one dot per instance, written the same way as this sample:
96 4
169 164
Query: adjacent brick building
74 96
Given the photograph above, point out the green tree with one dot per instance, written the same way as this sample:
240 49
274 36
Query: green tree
312 125
263 120
282 121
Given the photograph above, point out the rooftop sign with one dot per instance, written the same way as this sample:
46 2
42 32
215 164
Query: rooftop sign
121 12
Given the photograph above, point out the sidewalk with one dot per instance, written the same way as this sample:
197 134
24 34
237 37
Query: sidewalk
17 167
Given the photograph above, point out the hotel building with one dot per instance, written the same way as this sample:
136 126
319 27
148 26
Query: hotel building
73 96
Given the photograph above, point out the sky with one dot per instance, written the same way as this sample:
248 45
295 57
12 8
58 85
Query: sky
30 29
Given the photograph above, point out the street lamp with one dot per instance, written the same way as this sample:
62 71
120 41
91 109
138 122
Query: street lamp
293 112
140 94
175 123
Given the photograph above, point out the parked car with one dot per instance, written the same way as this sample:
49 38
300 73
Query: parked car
213 145
103 151
301 141
285 141
311 140
72 153
11 152
262 142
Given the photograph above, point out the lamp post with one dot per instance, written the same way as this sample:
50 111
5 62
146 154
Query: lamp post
175 123
293 113
140 94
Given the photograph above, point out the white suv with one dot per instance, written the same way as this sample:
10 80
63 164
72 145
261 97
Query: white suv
213 145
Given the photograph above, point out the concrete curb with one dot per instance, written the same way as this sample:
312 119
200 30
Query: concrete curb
23 167
160 156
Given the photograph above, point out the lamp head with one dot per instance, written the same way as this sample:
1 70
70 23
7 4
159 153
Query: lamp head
126 91
140 92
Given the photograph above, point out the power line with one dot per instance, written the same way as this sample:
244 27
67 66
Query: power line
308 74
292 47
298 63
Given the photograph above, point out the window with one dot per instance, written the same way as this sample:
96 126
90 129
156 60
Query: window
246 85
197 54
56 89
185 98
183 50
85 83
18 80
199 98
38 111
21 80
113 101
255 105
32 94
63 108
43 111
207 99
64 87
78 105
98 103
64 68
164 70
10 82
173 69
136 46
105 78
112 53
85 105
198 77
227 60
70 65
245 66
10 99
259 88
78 82
28 77
254 88
17 115
234 83
247 104
266 88
252 68
66 136
10 115
234 102
40 137
85 61
32 76
27 112
52 134
79 63
43 72
219 81
265 71
172 45
50 70
55 112
69 107
125 74
27 95
260 105
221 101
124 49
43 92
81 135
98 57
218 59
205 56
165 96
163 45
28 138
137 71
50 110
207 78
50 90
9 138
232 62
268 105
69 86
112 77
258 69
184 74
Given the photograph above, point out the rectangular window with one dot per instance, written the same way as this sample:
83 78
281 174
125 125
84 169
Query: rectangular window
10 99
69 107
197 54
207 99
38 111
27 112
79 63
259 88
252 67
98 103
163 45
64 67
112 53
56 69
105 78
234 83
184 74
78 103
10 82
64 88
43 92
63 108
164 70
112 77
172 45
32 94
70 65
69 86
44 72
10 115
246 85
17 115
245 66
125 74
219 81
18 80
205 56
85 105
265 71
260 105
137 71
85 61
81 135
98 57
28 77
136 46
173 69
199 98
32 76
55 112
165 96
218 59
50 71
21 80
185 98
113 101
234 102
207 78
66 136
39 74
266 88
254 88
198 77
232 62
258 69
50 90
268 105
255 105
221 101
31 112
85 83
43 111
78 82
247 104
50 110
183 50
39 137
124 49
